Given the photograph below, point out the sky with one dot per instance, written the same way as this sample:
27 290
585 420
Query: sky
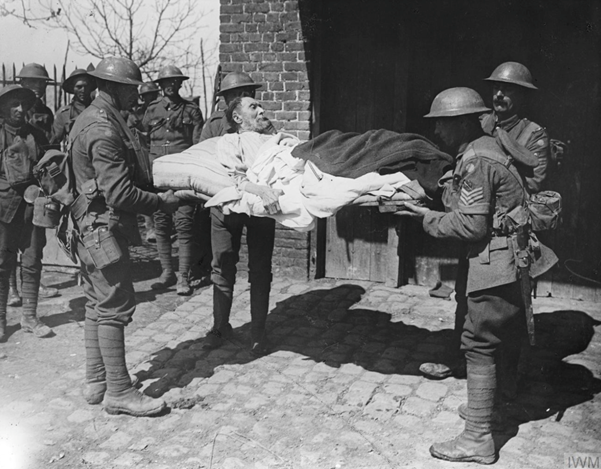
20 43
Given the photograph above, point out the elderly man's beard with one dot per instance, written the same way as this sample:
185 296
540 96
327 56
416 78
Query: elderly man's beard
260 125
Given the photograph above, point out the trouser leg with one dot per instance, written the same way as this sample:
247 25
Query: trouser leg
14 298
3 301
163 225
33 242
489 313
8 258
95 370
226 232
111 340
260 236
184 225
202 262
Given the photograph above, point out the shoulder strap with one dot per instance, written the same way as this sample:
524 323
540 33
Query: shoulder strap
507 161
528 129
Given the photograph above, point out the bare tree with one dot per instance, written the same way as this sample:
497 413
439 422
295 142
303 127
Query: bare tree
150 33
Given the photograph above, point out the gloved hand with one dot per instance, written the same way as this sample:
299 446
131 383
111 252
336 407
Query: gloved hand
168 201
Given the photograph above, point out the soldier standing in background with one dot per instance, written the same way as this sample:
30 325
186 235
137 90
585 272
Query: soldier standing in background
81 85
512 85
149 92
22 146
35 78
234 85
174 125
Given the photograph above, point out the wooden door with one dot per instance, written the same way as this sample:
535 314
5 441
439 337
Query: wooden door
363 75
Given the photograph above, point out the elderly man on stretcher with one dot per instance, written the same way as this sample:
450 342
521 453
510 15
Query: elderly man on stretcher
316 178
252 178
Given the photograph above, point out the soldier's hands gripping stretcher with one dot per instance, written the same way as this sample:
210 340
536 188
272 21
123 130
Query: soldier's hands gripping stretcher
412 210
269 197
168 201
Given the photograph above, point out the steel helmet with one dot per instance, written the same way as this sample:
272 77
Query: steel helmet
118 70
235 80
457 102
149 87
34 70
513 72
170 71
25 95
69 83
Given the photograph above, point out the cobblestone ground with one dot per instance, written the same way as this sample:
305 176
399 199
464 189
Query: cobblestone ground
340 388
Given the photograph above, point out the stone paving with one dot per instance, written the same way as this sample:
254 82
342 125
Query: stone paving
340 388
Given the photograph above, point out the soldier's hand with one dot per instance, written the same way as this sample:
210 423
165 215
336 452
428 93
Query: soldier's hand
412 210
168 202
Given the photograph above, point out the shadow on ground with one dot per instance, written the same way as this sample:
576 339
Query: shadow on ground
327 327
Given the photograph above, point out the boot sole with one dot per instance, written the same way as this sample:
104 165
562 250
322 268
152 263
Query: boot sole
476 459
123 410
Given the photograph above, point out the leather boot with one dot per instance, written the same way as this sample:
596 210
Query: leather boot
166 280
121 396
259 307
222 305
163 242
183 285
3 298
14 299
475 443
93 392
29 320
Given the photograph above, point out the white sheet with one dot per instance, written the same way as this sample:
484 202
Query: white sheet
308 193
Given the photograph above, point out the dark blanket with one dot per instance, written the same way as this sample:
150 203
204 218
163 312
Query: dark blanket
351 155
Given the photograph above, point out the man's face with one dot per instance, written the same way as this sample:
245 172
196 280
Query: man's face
37 85
82 90
229 96
507 98
149 97
250 116
449 131
13 111
171 86
125 95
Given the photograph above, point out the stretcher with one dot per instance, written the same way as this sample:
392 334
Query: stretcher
386 204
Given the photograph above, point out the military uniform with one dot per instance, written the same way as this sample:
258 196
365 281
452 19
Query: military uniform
65 117
216 126
41 117
25 146
102 162
173 128
528 134
481 194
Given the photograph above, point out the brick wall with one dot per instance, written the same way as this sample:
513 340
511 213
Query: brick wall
264 39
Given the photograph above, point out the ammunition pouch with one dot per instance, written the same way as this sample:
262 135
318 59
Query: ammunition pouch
545 209
18 170
102 246
46 212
